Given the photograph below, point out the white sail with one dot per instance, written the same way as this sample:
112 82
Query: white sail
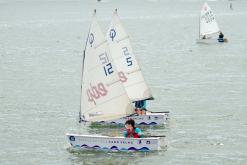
208 24
103 96
125 61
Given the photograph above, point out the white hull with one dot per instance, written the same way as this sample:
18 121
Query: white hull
150 118
106 143
209 41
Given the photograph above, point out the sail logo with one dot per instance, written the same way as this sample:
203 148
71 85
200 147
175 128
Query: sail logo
112 34
72 138
208 16
107 66
96 92
91 39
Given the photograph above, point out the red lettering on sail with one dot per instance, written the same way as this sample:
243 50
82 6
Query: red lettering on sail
122 77
96 92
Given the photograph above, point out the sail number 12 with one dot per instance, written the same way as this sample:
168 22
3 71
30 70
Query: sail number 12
107 66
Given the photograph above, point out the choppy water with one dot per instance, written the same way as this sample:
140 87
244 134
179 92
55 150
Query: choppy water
204 86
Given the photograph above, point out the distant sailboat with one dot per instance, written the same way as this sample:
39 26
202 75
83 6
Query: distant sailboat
130 74
208 27
103 97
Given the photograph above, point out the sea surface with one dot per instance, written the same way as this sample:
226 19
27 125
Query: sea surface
203 86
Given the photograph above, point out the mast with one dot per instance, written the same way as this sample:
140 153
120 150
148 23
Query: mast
82 69
199 24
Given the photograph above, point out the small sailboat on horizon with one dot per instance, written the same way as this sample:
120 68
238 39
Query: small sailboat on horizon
208 27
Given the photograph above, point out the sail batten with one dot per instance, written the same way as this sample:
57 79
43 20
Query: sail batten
207 24
121 39
126 62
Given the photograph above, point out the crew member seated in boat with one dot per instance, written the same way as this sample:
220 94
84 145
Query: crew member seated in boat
221 37
140 107
138 111
204 37
131 131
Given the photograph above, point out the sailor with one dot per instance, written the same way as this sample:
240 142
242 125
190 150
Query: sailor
221 37
140 107
231 6
138 111
131 131
204 37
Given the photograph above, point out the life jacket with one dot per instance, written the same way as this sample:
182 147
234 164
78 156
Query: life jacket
140 104
221 36
132 133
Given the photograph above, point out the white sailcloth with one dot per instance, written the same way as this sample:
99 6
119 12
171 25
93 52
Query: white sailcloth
208 24
124 59
103 96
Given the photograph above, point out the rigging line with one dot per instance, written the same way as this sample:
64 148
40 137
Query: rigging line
82 69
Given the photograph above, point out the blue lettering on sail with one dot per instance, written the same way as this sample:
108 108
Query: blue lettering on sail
128 58
108 69
129 61
91 39
107 66
112 34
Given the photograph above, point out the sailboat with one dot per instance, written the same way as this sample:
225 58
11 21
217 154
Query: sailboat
130 74
208 27
103 97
